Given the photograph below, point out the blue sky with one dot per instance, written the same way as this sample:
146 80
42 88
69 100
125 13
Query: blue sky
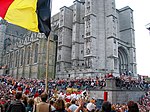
142 36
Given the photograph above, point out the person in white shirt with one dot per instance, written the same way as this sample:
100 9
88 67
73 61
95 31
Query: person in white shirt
73 105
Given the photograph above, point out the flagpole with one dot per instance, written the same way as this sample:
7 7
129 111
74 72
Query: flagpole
47 64
47 55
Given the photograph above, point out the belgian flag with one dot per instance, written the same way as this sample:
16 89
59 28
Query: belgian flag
33 15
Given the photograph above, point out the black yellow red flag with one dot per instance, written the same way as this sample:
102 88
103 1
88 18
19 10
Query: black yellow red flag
33 15
44 16
4 5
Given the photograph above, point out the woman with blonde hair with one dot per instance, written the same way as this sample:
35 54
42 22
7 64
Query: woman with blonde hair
59 105
36 101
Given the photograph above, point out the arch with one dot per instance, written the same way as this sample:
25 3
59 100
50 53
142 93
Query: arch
123 60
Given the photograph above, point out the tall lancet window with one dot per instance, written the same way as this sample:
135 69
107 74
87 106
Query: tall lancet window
36 53
22 57
17 59
28 56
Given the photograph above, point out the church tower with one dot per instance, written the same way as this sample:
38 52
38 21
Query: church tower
94 39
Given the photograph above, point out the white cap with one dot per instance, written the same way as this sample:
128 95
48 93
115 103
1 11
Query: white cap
90 106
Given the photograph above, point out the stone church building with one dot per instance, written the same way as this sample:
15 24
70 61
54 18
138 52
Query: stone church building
94 39
23 53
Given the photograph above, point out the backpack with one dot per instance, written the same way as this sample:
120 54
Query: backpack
16 106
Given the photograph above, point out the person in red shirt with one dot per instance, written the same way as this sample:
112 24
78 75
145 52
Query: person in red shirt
19 88
27 92
36 94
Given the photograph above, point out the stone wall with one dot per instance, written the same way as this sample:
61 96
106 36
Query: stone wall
25 52
116 95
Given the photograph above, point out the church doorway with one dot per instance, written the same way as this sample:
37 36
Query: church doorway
123 61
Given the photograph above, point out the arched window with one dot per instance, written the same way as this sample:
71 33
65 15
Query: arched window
7 63
12 59
22 57
28 56
16 59
36 53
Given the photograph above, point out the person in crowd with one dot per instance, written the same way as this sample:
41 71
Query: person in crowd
91 107
9 86
52 106
29 107
124 108
43 106
113 108
36 101
8 101
60 105
25 99
67 105
106 106
1 108
81 107
36 94
17 105
132 106
73 105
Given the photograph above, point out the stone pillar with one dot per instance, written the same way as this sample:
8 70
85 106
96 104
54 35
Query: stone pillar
110 84
111 89
2 36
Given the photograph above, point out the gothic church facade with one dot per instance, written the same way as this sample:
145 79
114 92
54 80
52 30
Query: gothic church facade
94 39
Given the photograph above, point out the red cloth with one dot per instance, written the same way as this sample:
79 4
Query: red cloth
4 5
2 102
109 75
67 100
105 96
79 92
19 88
27 92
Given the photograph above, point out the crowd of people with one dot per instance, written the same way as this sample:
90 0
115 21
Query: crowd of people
130 83
144 102
28 95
